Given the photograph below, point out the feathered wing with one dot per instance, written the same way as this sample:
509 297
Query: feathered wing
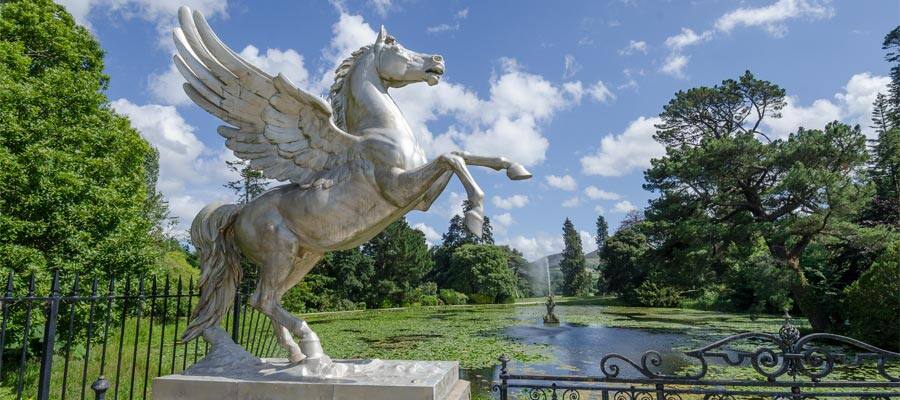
283 131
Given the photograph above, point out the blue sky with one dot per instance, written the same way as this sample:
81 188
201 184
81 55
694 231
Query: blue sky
571 90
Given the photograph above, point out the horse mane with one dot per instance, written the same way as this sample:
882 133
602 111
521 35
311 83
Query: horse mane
338 93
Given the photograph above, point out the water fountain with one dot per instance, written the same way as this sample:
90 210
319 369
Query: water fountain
551 317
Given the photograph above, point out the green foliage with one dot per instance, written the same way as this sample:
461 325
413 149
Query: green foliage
451 297
602 232
576 279
400 260
873 301
483 273
723 170
651 294
624 256
251 183
74 176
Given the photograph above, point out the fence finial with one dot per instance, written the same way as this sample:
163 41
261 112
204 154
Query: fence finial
100 386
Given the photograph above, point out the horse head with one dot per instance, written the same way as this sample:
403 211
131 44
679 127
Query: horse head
398 66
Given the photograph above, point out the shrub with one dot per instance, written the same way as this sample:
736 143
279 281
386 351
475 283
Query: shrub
654 295
873 301
452 297
430 300
478 298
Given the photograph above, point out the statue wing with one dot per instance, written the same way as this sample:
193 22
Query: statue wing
285 132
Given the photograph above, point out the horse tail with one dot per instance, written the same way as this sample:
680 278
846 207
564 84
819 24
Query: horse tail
220 266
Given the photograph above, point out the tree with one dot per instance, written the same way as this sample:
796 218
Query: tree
602 232
789 191
251 183
623 254
576 280
400 260
457 235
76 181
874 301
482 271
892 45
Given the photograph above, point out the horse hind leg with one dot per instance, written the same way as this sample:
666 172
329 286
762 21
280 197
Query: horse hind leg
280 274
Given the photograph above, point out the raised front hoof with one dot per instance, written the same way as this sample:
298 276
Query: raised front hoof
474 222
517 172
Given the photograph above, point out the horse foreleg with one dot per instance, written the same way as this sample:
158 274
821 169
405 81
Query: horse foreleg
434 191
407 188
514 171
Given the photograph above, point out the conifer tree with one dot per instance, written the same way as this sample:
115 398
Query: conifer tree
576 280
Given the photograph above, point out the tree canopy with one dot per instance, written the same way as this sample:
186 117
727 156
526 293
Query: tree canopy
722 169
77 183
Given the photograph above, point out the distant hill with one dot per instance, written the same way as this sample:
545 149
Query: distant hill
592 259
537 270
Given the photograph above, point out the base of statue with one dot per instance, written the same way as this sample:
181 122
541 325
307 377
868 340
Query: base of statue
276 379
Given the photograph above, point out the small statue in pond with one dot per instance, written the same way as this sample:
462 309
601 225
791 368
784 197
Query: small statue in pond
551 317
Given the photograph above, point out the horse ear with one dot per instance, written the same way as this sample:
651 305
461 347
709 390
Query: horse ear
382 36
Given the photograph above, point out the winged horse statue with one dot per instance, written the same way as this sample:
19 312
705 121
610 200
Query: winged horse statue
352 167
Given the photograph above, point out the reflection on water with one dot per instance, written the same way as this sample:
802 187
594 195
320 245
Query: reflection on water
578 348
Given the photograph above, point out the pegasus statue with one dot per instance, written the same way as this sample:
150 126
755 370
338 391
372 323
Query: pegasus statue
351 167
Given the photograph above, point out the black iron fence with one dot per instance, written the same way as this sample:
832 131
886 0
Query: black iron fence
747 365
106 339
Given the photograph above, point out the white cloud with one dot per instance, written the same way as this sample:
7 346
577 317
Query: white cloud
572 202
686 38
382 7
596 193
574 89
536 247
501 223
620 154
772 18
571 66
447 27
565 182
508 123
190 174
624 206
853 106
634 46
163 13
431 236
601 93
675 64
599 209
508 203
588 244
453 205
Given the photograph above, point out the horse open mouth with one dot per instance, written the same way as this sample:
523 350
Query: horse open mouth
433 75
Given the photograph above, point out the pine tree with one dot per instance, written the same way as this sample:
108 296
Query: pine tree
892 45
881 114
576 280
252 183
602 232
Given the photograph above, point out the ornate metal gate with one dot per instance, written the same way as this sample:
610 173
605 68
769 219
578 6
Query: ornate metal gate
786 365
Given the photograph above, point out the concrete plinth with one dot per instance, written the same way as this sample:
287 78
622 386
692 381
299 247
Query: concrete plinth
276 379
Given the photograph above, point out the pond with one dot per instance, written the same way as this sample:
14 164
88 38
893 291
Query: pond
477 335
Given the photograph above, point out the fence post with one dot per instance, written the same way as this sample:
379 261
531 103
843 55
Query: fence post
504 375
236 317
49 340
100 386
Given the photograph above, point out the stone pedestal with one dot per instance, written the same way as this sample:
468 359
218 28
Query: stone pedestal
276 379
